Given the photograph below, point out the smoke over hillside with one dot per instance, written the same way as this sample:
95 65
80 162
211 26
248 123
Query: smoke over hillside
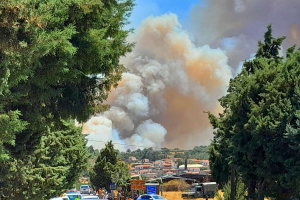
160 101
171 80
237 25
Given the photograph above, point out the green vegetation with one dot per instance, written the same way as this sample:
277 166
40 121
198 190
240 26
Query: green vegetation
198 152
52 168
257 135
108 169
239 194
58 61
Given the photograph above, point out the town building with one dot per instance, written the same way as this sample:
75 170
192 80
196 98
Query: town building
132 158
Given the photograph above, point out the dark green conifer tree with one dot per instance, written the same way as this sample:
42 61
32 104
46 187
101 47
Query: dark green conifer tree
259 122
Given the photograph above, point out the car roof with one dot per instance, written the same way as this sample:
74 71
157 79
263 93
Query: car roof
90 197
73 193
153 195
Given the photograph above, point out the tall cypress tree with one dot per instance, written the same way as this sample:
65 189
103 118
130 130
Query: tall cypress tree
259 122
101 173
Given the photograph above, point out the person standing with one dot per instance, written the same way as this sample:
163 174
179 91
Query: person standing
135 195
109 197
104 193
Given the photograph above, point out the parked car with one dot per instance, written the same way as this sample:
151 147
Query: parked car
151 197
85 189
91 189
73 190
90 197
73 195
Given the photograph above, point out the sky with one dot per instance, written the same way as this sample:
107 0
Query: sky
146 8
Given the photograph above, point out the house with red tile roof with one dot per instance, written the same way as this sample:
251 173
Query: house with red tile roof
143 172
141 167
132 158
191 161
151 175
205 163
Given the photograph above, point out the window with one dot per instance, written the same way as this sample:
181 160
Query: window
146 197
158 197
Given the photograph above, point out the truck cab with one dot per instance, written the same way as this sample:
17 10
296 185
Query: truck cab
201 190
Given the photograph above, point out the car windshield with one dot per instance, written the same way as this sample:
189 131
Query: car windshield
85 187
157 197
95 197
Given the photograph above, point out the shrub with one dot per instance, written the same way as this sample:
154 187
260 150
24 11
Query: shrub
176 185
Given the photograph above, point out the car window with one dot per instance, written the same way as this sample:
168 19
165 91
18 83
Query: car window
158 197
84 186
146 197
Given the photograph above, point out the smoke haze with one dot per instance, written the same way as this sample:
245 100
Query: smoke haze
160 101
171 80
237 25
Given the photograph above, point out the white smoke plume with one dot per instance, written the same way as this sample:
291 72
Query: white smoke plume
160 101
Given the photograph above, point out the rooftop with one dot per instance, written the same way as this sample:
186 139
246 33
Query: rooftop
191 166
142 165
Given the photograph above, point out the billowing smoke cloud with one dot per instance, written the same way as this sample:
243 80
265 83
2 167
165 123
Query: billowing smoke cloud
160 101
237 25
100 130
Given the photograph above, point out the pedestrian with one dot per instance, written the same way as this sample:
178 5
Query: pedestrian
77 198
206 197
104 192
109 197
135 196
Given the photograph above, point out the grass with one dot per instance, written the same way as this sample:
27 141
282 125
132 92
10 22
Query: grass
177 196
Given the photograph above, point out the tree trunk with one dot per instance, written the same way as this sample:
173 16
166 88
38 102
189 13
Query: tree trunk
251 189
233 184
260 190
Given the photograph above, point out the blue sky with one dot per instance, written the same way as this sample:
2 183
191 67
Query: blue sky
146 8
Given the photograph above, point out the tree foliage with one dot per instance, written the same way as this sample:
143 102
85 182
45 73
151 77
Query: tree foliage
240 193
109 169
52 168
52 53
258 129
198 152
58 61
